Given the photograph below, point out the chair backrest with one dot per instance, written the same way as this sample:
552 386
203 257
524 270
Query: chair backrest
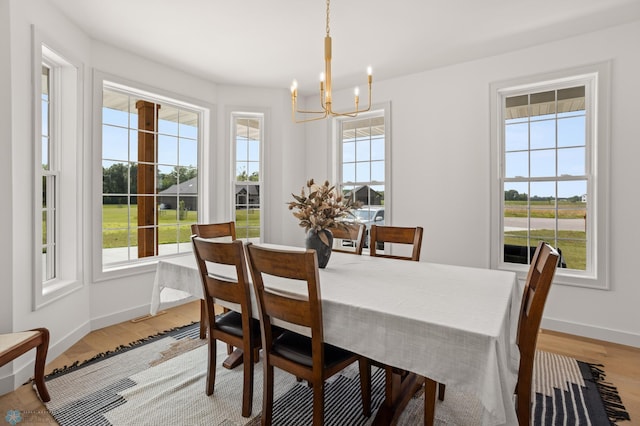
350 232
304 308
215 286
214 230
397 235
536 288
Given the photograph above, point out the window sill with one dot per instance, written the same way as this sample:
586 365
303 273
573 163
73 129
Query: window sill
563 276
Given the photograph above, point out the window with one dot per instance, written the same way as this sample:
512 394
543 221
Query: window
57 83
363 153
150 188
548 180
247 183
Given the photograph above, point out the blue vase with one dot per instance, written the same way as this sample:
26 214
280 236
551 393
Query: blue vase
323 251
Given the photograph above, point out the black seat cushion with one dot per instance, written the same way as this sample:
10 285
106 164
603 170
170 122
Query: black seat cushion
297 348
231 322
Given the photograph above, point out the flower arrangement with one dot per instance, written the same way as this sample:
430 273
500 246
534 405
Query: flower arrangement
323 208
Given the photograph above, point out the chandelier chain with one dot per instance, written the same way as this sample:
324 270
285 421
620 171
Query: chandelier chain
328 18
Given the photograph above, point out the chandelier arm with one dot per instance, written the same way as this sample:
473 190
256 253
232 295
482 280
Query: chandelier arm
306 120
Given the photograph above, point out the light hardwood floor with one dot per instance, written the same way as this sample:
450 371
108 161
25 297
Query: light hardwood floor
621 363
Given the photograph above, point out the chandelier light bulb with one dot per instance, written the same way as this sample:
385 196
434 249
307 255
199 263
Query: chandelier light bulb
369 70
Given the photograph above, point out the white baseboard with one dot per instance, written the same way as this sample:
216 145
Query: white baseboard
129 314
599 333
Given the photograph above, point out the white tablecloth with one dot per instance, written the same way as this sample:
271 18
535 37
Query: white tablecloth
454 324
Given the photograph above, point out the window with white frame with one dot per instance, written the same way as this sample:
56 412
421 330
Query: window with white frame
549 180
57 83
363 163
150 187
247 140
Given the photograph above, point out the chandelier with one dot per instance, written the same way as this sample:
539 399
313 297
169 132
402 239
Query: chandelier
325 90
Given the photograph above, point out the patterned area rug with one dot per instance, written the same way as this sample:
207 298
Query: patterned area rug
161 380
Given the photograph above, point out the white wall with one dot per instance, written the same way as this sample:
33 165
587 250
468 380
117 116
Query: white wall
6 214
441 150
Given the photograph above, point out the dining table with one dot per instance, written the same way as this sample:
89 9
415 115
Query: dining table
454 324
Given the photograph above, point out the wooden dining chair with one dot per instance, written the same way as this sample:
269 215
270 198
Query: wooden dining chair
12 345
395 235
219 231
308 358
238 329
536 288
351 232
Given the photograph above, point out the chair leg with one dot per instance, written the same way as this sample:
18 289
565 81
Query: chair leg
318 403
441 389
247 386
523 401
203 320
429 401
267 395
211 366
365 385
41 358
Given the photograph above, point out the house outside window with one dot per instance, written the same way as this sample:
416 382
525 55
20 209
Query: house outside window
550 184
247 141
150 186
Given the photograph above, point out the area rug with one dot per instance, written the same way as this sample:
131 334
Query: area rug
161 380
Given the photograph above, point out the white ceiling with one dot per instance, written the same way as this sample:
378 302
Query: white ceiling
268 43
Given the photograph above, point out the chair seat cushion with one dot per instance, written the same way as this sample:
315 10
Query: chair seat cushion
10 340
297 348
231 322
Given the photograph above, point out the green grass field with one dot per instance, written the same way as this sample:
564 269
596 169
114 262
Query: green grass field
171 229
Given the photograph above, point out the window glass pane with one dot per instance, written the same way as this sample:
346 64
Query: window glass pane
363 172
167 149
516 164
543 194
45 153
133 145
349 172
377 171
363 150
188 125
543 163
377 148
542 105
516 136
571 162
168 120
188 152
543 134
115 177
572 131
349 152
242 149
115 143
254 150
45 118
115 109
